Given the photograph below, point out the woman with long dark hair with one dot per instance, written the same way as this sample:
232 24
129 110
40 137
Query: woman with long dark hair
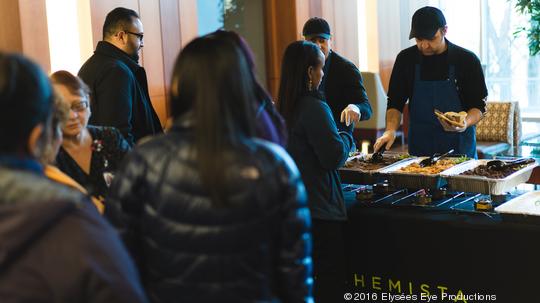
269 124
318 149
210 213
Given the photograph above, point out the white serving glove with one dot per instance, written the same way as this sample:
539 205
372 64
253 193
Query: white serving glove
351 114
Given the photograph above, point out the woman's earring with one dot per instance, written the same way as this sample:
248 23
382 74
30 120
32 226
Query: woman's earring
310 85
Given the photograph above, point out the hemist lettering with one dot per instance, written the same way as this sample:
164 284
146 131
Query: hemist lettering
392 287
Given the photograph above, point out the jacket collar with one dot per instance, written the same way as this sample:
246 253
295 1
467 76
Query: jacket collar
107 49
21 163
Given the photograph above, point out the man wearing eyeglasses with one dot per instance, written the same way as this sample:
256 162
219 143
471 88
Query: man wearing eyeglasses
118 84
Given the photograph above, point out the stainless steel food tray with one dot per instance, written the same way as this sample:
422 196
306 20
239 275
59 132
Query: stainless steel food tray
360 176
484 185
410 180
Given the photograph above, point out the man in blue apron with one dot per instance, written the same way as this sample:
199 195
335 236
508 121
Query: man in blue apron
435 74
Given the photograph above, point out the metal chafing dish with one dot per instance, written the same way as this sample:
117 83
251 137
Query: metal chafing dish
351 173
401 179
484 185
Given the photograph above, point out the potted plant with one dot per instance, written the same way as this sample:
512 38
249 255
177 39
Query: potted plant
531 8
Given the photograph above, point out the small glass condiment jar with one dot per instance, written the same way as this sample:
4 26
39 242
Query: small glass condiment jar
363 194
483 204
423 197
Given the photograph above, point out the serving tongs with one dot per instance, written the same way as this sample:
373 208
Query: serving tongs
377 157
433 159
501 165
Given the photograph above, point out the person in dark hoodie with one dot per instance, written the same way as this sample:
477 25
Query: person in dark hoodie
55 247
319 149
118 84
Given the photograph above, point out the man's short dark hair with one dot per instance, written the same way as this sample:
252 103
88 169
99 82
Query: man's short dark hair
26 99
118 19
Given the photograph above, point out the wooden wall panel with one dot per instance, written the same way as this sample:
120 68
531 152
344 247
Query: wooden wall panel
35 34
188 20
152 55
281 29
10 26
23 29
170 38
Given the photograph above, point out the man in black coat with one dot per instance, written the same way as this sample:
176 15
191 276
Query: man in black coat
342 84
118 84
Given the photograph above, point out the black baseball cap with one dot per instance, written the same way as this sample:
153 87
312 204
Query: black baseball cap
425 22
316 27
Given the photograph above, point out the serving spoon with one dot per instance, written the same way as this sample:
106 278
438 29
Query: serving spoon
433 159
377 157
500 165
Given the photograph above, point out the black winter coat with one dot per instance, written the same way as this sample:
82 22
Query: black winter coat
119 93
319 149
257 250
342 84
55 247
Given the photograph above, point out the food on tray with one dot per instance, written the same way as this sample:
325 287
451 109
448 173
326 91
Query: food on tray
483 205
484 171
456 119
436 168
364 162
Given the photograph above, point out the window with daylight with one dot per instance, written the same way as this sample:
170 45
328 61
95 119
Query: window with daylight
487 27
242 16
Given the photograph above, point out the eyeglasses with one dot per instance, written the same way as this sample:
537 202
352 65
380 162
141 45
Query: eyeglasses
79 106
139 35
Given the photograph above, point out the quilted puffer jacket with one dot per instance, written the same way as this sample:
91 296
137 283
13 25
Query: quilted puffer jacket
256 250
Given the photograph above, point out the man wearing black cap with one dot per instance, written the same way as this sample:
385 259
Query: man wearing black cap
342 83
435 74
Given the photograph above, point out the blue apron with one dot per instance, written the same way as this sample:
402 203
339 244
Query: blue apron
426 135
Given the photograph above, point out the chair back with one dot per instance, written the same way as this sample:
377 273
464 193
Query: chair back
501 123
377 100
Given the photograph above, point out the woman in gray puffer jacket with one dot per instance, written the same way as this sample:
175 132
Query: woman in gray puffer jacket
209 213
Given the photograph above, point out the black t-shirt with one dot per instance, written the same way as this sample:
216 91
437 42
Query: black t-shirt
470 80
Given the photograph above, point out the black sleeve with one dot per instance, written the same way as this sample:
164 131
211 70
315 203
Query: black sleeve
125 203
401 81
356 92
108 273
331 147
114 93
294 268
473 90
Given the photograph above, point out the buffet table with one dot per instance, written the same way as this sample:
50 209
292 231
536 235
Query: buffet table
417 250
445 251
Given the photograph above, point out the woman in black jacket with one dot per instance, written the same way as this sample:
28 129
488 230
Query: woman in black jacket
318 149
209 213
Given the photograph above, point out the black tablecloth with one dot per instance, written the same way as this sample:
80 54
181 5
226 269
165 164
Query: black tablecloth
415 251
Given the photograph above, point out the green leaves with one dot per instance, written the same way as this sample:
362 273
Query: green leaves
531 8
